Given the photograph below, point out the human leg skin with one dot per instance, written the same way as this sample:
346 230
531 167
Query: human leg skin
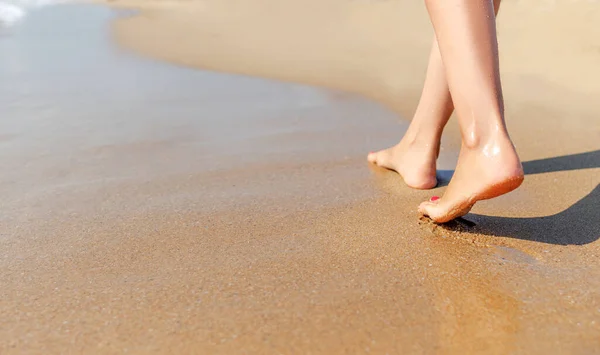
414 157
488 165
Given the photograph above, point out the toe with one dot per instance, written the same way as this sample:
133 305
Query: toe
426 207
442 213
432 210
372 157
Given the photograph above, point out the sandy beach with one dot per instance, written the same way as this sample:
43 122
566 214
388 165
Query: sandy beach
189 177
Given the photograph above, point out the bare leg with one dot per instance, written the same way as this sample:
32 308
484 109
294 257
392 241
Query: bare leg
488 165
414 158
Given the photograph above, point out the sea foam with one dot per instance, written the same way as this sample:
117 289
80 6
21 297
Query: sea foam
13 11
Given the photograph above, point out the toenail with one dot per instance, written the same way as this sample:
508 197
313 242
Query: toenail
434 198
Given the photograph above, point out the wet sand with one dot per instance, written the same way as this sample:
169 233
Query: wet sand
150 207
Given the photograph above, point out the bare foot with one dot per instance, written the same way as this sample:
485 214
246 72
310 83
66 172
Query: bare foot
484 171
415 162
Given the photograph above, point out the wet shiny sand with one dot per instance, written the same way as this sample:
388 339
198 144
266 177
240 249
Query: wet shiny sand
152 208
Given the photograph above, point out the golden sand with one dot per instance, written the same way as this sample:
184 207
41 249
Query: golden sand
327 255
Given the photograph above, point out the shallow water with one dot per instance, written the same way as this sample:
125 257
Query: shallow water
12 12
79 111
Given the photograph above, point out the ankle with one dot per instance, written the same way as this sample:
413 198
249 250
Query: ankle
420 143
497 145
416 137
480 136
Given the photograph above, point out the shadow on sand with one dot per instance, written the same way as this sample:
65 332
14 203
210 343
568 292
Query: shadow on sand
577 225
